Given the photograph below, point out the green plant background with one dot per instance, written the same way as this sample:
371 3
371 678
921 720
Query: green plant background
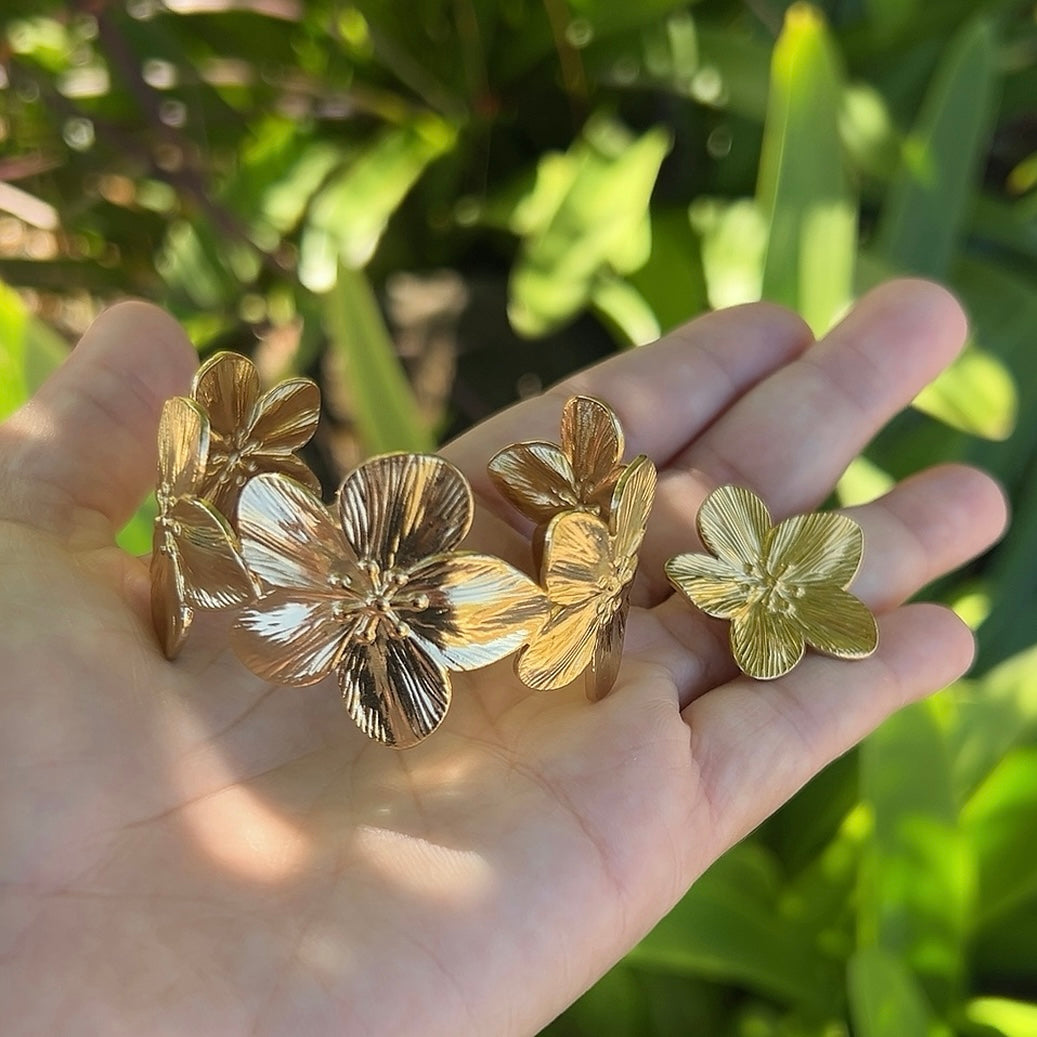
435 206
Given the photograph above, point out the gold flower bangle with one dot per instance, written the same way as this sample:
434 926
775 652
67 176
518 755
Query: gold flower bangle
592 512
782 586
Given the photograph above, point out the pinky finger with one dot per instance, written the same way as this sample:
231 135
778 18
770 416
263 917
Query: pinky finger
756 744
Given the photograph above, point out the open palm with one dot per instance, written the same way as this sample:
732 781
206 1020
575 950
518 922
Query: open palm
184 848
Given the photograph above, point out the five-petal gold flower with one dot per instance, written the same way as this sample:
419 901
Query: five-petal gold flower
380 596
252 432
782 586
195 561
587 569
544 479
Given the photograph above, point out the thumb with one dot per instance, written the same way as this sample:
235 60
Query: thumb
81 454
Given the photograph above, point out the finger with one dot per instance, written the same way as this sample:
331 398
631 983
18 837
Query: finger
926 526
755 744
81 454
793 435
664 394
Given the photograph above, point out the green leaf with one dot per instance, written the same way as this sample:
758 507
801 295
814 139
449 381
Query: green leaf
975 394
994 713
803 190
384 406
348 216
734 239
136 536
29 351
728 927
1000 820
586 216
918 878
885 1000
625 310
929 199
1008 1018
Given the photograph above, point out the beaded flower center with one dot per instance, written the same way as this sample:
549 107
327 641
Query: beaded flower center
611 585
230 457
768 588
376 601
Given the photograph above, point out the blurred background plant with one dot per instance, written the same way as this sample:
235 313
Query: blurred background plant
437 206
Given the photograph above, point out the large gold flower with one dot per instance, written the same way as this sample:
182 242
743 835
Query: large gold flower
381 596
252 432
195 561
782 586
587 570
544 479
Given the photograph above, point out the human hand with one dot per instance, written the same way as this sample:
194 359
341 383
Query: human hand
187 849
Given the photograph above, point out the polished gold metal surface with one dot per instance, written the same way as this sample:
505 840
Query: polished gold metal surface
545 479
250 431
782 586
195 561
587 570
379 593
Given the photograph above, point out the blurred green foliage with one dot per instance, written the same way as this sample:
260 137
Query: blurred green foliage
600 171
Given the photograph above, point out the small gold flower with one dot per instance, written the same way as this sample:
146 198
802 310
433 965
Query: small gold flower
782 586
195 561
587 570
381 596
249 432
543 479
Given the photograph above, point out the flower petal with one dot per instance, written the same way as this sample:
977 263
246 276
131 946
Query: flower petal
171 616
711 584
286 416
536 477
562 650
208 556
608 653
291 466
227 387
837 623
288 637
183 443
288 538
766 644
823 548
631 504
733 524
394 691
577 555
592 438
480 609
401 508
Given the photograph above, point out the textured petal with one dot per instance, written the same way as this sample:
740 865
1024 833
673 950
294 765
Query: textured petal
631 504
288 538
401 508
711 584
208 556
592 438
733 524
289 638
576 557
183 443
291 466
562 650
227 387
766 644
480 609
837 623
608 653
286 417
171 615
536 477
394 691
822 548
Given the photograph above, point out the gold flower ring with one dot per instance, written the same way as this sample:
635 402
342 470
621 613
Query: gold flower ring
782 586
